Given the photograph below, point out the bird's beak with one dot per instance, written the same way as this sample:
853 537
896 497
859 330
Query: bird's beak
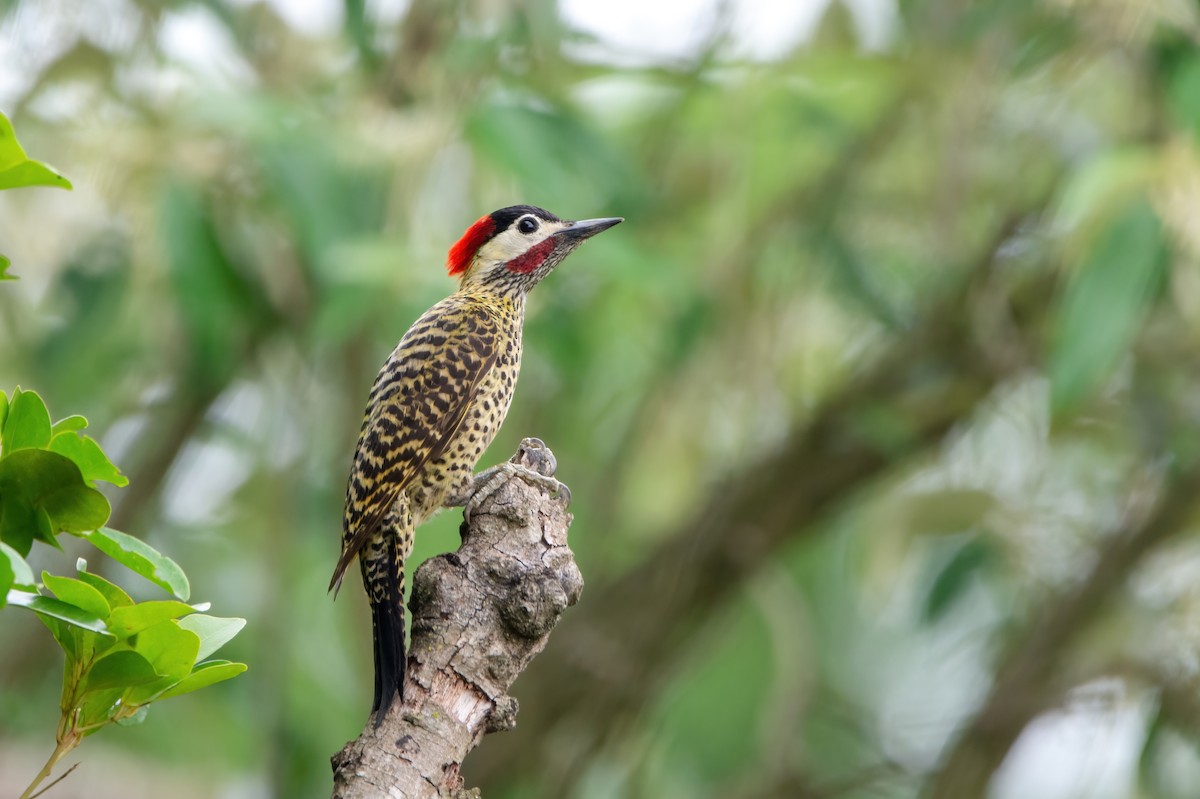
586 228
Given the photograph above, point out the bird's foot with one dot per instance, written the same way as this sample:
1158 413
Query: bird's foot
534 463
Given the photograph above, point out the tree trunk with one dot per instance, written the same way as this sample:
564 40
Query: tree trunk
480 615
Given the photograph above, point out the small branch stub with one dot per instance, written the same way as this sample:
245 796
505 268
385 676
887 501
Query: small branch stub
479 616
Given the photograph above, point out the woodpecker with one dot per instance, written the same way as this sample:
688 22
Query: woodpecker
436 405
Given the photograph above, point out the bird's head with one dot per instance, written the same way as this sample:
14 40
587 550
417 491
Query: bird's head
510 250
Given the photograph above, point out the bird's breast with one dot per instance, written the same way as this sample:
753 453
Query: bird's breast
484 415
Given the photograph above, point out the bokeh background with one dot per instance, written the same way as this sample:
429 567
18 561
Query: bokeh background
880 412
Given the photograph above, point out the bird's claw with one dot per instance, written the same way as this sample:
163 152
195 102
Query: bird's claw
562 491
534 455
533 462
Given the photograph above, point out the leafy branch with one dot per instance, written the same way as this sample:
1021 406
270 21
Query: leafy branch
17 170
121 655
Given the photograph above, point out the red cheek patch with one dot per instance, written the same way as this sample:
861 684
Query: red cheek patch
532 258
465 248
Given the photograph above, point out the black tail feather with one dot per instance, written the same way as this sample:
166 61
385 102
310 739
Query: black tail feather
387 626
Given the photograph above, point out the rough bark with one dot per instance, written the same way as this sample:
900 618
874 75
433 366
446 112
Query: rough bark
480 615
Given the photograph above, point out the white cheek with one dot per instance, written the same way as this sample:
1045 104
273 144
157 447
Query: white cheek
509 245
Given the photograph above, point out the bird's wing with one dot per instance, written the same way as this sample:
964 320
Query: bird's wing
416 406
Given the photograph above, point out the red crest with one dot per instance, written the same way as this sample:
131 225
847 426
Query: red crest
465 248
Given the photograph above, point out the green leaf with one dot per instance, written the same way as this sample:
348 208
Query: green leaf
204 675
11 152
78 593
88 456
17 169
142 559
6 580
120 669
71 424
22 574
4 265
57 609
43 527
172 651
113 594
14 571
99 706
1104 305
45 478
214 632
42 493
124 622
32 173
64 634
3 396
27 424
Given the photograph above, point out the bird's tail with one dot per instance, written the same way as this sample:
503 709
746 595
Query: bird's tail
383 575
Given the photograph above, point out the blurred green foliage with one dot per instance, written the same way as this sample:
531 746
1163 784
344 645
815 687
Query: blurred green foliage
1012 187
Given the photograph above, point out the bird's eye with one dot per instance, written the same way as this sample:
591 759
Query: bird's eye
527 225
